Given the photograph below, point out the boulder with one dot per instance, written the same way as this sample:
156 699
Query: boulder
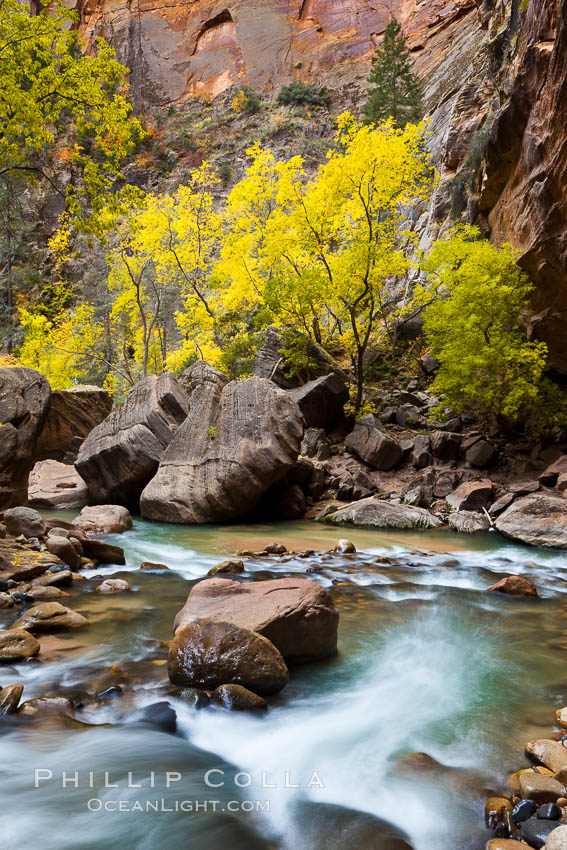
24 401
539 519
9 699
421 455
378 513
540 788
26 521
21 563
64 549
552 754
46 593
271 361
373 445
445 445
470 496
113 585
103 519
71 417
56 485
232 566
469 522
321 401
237 698
122 454
514 586
207 653
238 440
314 441
297 615
410 416
481 454
17 645
551 473
428 363
50 617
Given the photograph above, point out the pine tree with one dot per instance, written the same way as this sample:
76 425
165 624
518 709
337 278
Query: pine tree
396 92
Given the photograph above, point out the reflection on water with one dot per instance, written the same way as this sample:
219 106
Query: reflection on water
429 663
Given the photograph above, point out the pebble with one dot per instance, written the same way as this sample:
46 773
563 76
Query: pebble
535 831
345 547
558 839
524 810
549 811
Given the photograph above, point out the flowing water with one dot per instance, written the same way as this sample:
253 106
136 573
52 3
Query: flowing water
428 663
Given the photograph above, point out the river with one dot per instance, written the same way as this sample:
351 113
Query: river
428 663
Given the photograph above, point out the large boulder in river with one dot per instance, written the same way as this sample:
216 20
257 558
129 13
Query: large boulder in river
538 519
238 440
17 645
379 513
24 401
297 615
373 445
122 454
321 401
207 653
273 360
104 519
50 617
56 485
71 417
24 521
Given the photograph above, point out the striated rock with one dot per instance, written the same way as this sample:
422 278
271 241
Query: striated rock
378 513
9 699
514 586
237 698
373 445
297 615
468 522
470 496
71 417
113 585
321 401
539 519
271 363
207 653
56 485
24 521
238 440
24 401
17 645
50 617
103 519
122 454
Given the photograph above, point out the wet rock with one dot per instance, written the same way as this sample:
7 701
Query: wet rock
539 519
445 445
47 705
102 552
10 698
321 401
59 578
506 844
335 827
206 653
373 445
150 567
481 454
17 645
6 601
541 789
469 522
237 698
24 521
550 475
46 594
56 485
238 440
71 417
551 754
230 567
557 840
523 810
161 716
275 549
24 400
64 549
113 585
50 617
470 496
194 697
122 454
514 586
550 811
297 615
113 692
561 716
536 831
378 513
103 519
345 547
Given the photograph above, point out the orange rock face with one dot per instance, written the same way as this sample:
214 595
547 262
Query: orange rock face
194 47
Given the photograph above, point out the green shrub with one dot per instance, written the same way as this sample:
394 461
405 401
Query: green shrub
304 93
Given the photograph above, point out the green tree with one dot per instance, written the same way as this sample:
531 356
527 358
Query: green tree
395 91
474 299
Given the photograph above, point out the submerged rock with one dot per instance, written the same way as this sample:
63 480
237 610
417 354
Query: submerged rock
206 653
538 519
122 454
113 585
160 715
297 615
379 513
238 440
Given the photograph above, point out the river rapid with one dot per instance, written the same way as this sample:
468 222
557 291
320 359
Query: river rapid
428 663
